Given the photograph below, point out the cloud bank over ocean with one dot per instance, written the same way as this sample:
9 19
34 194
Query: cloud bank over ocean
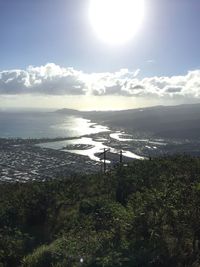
51 79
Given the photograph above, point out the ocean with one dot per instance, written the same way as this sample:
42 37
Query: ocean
45 125
37 125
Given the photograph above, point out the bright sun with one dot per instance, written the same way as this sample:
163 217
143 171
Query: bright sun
116 21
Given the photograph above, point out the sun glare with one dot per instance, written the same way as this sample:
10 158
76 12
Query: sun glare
116 21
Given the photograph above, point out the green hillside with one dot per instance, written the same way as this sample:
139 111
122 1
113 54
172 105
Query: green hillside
145 214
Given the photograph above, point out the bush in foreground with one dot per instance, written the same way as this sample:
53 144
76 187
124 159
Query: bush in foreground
146 214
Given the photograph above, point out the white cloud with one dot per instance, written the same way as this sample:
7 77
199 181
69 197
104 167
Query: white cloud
52 79
49 79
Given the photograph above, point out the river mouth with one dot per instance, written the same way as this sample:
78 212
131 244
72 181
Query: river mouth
114 142
87 146
89 139
75 135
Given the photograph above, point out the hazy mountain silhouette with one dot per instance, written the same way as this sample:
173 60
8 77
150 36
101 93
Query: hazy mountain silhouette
181 121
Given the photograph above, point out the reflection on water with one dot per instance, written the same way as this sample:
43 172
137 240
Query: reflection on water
52 125
97 148
122 137
131 155
45 125
92 153
80 126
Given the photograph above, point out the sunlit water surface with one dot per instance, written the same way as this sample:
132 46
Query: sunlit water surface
53 125
92 153
45 125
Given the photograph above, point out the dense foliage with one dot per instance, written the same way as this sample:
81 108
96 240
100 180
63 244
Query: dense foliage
144 214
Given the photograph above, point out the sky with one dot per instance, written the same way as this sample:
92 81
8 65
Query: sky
50 56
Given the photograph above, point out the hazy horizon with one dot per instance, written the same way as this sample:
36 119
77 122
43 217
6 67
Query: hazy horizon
43 109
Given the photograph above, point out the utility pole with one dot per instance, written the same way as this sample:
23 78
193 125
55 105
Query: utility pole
121 157
104 158
101 166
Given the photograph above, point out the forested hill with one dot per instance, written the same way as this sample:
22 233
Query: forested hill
146 214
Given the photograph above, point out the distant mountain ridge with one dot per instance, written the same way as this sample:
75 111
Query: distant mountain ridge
182 121
159 107
67 111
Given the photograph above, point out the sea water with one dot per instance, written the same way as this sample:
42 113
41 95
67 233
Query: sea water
45 125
